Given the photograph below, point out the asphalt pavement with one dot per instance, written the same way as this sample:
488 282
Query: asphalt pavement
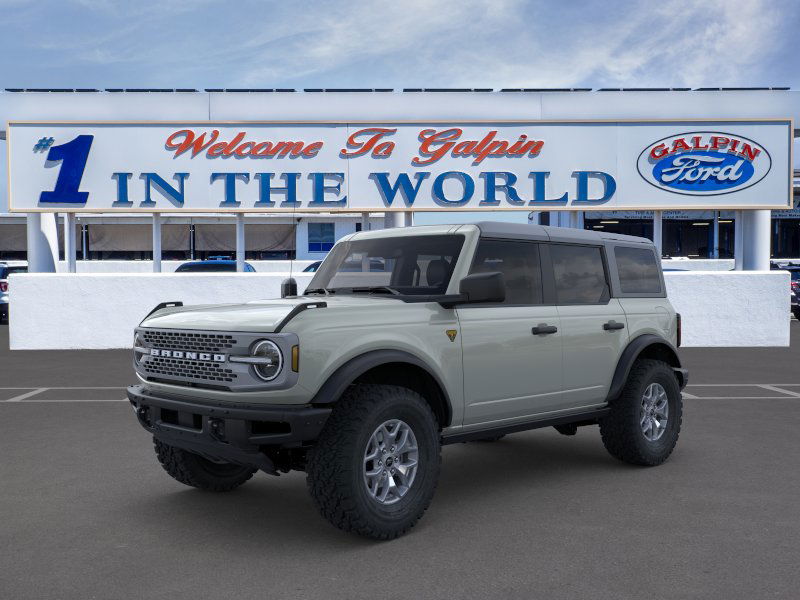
87 511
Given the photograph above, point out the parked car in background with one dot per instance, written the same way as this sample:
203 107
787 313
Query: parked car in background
312 268
212 265
795 284
6 269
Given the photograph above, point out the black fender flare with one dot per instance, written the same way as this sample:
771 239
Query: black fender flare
338 382
633 350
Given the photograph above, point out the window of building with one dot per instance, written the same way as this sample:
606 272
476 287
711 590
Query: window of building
321 237
519 264
638 271
579 273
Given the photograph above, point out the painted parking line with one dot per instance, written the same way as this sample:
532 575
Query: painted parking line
21 397
64 394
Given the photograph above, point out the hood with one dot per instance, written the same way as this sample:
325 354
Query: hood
260 316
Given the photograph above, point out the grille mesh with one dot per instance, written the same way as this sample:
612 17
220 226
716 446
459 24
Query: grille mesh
194 342
192 369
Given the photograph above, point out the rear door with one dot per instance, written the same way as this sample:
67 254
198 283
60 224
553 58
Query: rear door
510 372
594 327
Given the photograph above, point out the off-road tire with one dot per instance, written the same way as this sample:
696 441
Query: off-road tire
621 431
196 471
335 464
795 312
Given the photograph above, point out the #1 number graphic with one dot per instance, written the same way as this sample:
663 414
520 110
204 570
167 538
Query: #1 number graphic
73 157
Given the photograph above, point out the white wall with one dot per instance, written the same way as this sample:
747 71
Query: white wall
731 308
79 311
52 311
169 266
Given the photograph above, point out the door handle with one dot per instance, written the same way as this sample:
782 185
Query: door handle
544 329
611 325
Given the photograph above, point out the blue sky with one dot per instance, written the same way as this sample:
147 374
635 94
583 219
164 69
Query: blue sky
444 43
447 43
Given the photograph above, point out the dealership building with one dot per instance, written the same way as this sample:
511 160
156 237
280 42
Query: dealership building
127 237
108 191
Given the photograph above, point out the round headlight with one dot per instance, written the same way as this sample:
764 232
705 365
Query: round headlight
138 348
269 368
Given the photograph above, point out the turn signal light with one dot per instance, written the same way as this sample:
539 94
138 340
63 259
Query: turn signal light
296 359
3 286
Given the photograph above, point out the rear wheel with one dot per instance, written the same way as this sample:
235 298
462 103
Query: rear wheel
645 420
375 466
194 470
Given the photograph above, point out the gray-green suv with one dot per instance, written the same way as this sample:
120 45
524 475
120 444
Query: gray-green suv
408 339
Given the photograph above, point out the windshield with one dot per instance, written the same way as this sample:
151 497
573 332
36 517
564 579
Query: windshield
5 271
205 267
417 265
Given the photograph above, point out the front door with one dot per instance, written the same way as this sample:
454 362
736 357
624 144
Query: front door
512 351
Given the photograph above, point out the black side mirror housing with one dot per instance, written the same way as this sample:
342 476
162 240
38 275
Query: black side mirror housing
288 287
483 287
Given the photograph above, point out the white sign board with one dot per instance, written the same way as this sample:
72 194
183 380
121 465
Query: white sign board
363 167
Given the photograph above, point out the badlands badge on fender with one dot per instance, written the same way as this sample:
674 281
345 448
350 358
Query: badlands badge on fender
704 163
452 333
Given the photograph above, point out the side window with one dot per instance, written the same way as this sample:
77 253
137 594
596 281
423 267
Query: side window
579 273
638 271
519 264
321 237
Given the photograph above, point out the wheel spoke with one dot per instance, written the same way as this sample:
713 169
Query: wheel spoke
394 445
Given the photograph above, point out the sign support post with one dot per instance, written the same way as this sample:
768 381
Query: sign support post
658 231
156 242
42 239
240 242
69 241
738 239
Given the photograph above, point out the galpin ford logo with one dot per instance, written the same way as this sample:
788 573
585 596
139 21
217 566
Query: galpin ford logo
704 163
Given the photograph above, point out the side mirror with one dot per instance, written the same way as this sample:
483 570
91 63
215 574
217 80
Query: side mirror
483 287
288 287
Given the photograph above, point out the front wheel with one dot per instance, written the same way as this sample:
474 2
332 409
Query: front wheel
645 420
374 468
195 471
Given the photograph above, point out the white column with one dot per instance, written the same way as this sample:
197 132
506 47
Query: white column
394 219
69 241
738 239
715 236
85 242
364 221
240 242
658 231
408 219
42 240
156 243
756 242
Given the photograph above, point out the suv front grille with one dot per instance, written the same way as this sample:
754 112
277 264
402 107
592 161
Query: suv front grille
188 369
194 342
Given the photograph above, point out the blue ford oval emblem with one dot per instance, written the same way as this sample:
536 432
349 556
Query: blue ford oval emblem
704 163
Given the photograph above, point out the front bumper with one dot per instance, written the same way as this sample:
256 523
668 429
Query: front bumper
236 433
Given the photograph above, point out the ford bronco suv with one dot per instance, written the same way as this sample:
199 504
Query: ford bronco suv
408 339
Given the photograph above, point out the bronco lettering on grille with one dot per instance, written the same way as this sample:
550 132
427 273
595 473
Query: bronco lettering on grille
188 355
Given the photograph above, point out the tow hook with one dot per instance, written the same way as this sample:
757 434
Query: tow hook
143 414
216 428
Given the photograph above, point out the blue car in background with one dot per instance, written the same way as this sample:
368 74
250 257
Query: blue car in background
215 264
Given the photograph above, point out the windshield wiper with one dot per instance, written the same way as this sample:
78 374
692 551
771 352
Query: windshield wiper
375 289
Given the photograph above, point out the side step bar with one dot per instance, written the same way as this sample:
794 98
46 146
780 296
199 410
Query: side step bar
584 418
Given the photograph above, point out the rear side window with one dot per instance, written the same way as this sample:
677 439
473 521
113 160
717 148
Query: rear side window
519 264
638 271
579 273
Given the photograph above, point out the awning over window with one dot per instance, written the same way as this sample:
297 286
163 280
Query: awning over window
136 238
13 238
258 238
